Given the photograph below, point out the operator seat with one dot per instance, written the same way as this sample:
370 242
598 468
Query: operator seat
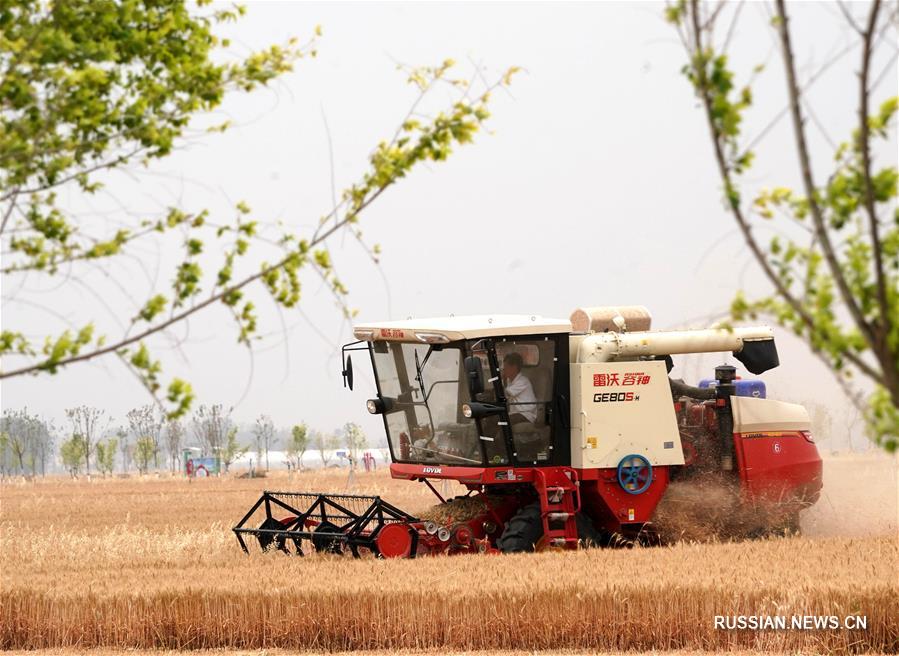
532 441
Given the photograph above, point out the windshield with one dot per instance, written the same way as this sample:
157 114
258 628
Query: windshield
424 389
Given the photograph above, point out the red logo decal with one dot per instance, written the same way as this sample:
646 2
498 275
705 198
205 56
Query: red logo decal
612 379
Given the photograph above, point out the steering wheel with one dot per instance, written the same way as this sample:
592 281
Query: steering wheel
634 474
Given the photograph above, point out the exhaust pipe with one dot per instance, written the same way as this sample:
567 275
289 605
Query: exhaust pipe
724 390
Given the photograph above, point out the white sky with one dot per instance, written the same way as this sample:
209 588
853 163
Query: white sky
595 186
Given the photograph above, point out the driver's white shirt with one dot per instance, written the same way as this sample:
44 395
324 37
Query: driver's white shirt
520 391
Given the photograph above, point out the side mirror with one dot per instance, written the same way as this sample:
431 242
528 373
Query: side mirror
348 372
474 376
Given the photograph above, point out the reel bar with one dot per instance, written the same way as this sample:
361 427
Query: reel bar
329 521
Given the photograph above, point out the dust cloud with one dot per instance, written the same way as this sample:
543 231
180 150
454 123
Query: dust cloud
860 498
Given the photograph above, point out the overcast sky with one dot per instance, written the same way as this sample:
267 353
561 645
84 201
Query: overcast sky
595 185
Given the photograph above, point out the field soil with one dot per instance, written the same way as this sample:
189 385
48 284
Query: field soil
151 563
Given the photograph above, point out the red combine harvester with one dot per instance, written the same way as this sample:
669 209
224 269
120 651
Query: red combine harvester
565 433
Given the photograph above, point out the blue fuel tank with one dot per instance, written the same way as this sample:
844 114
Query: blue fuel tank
745 387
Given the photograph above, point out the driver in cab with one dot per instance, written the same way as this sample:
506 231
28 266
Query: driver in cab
519 391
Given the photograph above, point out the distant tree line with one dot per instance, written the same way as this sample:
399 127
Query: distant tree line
26 443
93 443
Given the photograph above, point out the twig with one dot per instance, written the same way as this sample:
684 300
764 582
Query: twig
849 17
12 205
732 27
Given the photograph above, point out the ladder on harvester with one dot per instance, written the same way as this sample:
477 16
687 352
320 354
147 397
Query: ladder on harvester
560 499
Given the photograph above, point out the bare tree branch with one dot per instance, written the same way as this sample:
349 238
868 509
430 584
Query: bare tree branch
849 17
808 83
9 210
710 21
732 27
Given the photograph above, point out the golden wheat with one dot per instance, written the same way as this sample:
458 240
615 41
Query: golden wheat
68 651
151 563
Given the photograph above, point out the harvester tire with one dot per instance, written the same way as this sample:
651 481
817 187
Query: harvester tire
526 528
324 543
268 541
589 536
523 532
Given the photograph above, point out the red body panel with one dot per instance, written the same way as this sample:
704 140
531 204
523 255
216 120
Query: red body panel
465 475
778 467
782 470
606 502
601 496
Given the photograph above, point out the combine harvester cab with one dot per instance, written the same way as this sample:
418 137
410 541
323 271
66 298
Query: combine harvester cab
565 433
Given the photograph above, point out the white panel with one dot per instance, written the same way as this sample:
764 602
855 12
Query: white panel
621 408
752 415
462 327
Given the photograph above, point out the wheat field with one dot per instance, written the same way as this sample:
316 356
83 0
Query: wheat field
151 564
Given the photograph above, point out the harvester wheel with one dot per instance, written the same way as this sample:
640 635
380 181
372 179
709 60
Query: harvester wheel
526 528
326 543
589 536
523 532
268 541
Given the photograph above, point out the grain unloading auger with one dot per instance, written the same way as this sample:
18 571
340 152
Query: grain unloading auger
564 432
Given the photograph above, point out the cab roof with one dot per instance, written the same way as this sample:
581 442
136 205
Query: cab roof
450 329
